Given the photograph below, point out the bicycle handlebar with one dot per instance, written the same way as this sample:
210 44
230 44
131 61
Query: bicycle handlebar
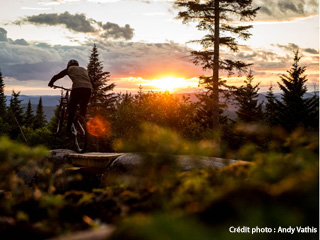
67 89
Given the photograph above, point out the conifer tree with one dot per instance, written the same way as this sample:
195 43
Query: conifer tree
15 115
271 107
29 116
100 98
39 120
294 110
215 16
247 98
15 107
2 99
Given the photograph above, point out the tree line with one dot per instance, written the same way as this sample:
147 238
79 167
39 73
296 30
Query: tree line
192 119
14 118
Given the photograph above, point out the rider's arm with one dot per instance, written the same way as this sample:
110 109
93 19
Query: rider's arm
58 76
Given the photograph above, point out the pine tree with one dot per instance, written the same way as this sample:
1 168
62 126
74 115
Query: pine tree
15 107
15 114
270 112
2 99
294 110
100 97
39 120
28 116
247 98
215 16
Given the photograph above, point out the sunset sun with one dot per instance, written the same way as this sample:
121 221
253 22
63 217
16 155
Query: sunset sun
169 83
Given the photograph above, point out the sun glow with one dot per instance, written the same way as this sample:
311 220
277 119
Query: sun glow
169 83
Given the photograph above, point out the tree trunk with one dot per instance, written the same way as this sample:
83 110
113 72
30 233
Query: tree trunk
216 123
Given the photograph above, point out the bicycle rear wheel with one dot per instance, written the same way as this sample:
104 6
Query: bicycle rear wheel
80 134
61 113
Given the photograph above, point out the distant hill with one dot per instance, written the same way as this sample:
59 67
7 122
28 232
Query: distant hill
262 96
231 109
49 103
48 110
47 100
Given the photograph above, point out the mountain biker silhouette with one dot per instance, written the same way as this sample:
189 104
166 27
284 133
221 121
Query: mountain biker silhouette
81 89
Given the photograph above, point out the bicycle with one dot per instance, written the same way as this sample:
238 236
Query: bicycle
78 127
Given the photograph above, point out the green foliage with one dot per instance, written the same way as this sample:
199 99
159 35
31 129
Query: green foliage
293 109
271 114
28 116
204 13
216 17
278 188
3 105
39 119
15 115
101 98
247 98
13 157
4 127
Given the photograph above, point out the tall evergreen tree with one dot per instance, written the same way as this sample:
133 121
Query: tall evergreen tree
2 99
216 17
15 115
270 111
101 98
247 98
294 110
15 108
29 116
40 119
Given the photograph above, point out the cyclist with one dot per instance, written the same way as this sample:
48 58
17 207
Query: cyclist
81 89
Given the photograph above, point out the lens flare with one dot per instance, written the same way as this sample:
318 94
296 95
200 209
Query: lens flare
98 126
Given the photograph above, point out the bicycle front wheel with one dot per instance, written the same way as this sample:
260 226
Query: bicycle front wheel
80 134
61 113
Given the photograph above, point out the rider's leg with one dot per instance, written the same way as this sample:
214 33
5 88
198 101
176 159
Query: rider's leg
85 97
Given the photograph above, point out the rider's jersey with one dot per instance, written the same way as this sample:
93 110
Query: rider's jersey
78 75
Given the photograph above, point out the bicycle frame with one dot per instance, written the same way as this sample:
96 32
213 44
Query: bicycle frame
65 97
63 108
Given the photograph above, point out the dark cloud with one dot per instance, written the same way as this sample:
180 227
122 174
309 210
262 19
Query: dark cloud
296 7
3 35
285 10
290 47
114 31
80 23
77 22
311 50
293 47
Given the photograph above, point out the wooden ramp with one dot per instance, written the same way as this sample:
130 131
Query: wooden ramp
93 159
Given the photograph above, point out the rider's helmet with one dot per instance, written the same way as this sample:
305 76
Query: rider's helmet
72 62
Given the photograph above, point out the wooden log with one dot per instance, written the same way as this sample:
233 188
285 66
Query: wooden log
93 159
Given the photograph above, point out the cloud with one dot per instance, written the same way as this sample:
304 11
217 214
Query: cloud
4 38
311 50
147 60
112 30
290 47
77 22
3 35
39 61
293 47
283 10
81 24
